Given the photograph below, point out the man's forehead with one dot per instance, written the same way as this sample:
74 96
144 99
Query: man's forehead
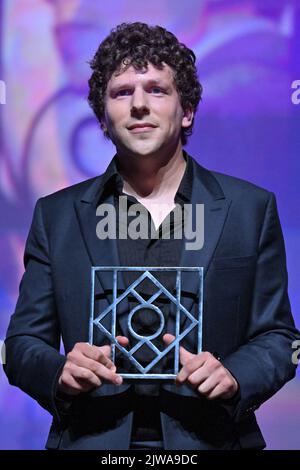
149 73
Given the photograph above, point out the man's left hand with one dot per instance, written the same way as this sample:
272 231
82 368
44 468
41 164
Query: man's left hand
205 373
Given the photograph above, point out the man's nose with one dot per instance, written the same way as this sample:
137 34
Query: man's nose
139 104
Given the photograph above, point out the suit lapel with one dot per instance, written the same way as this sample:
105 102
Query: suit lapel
207 191
101 252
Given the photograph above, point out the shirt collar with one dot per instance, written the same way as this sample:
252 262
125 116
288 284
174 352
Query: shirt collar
112 181
184 192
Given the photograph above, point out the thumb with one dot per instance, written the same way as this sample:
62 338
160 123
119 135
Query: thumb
122 340
168 338
106 350
185 355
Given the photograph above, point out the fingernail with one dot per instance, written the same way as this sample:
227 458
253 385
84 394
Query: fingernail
118 380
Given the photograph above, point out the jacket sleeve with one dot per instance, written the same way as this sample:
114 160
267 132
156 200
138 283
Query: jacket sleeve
33 361
264 363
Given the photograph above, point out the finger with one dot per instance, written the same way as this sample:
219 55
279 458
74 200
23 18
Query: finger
123 340
207 385
217 392
105 357
104 374
91 351
211 368
184 354
195 362
197 378
69 385
109 375
88 358
106 351
100 354
168 338
90 364
85 375
204 359
225 389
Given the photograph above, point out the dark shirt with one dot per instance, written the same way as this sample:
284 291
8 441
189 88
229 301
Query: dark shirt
153 251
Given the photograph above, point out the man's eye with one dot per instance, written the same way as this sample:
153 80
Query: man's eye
157 89
125 92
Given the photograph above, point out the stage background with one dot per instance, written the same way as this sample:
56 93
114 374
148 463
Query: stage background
247 125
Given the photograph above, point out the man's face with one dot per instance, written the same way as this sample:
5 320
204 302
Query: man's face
143 113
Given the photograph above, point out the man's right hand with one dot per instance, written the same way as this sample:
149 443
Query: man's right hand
87 367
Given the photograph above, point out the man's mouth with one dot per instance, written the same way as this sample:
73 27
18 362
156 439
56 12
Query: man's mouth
141 127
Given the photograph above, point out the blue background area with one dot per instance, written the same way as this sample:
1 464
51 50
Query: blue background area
247 126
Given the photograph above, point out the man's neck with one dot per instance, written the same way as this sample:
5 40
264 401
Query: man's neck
153 179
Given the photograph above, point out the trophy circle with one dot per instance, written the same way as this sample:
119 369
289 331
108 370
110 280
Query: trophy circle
150 307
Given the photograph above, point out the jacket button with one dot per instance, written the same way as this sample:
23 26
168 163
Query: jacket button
216 355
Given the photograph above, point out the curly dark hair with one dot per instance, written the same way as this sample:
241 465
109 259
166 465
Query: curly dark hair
138 44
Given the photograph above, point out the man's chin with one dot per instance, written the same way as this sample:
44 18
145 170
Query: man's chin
146 151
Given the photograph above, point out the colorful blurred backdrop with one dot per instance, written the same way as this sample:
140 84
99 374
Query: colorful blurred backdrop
248 125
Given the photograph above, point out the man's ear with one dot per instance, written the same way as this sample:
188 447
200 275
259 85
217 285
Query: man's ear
187 118
103 125
104 129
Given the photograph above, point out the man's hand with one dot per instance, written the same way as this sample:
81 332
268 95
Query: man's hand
205 373
88 367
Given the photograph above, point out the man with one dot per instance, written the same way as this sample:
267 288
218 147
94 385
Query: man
145 92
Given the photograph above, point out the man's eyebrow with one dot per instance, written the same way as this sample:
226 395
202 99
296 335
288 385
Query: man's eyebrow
150 82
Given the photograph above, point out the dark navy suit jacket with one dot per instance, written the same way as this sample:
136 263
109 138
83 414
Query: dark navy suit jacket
247 317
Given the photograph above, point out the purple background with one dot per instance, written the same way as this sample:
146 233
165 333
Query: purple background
248 56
